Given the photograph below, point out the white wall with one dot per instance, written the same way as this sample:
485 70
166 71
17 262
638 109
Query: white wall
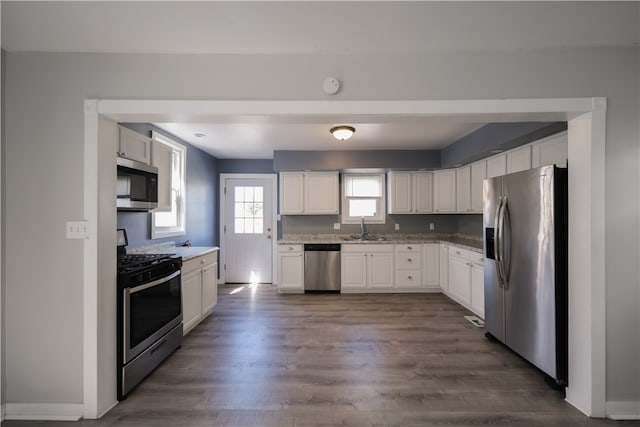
44 137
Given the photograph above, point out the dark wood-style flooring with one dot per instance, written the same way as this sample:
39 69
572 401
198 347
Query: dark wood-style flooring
263 359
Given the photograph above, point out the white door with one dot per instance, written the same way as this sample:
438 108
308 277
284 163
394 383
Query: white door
248 229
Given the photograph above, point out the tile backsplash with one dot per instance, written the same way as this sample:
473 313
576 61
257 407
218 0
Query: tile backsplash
323 224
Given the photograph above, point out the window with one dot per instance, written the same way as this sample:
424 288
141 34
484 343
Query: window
168 223
248 217
363 197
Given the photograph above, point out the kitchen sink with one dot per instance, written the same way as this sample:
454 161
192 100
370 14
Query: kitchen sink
367 238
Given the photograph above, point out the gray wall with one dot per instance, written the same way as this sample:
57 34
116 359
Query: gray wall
201 198
245 166
505 136
44 137
341 160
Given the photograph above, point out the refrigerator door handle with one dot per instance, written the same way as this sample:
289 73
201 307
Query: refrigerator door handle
498 242
505 263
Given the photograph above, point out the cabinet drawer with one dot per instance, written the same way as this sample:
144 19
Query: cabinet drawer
198 263
411 248
476 258
289 248
366 247
408 279
408 260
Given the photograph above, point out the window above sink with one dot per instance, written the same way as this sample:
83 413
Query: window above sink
363 196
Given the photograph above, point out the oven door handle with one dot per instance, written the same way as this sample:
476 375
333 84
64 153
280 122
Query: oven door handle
154 283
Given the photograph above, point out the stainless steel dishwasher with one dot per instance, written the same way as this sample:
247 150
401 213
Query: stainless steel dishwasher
322 267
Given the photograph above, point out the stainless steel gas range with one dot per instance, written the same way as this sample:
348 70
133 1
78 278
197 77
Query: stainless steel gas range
149 313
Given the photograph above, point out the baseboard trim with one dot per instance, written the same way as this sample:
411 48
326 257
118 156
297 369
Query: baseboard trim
623 410
107 410
44 411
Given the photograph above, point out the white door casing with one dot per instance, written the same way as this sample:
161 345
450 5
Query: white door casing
589 397
247 227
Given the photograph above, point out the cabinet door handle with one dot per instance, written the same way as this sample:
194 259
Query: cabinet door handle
457 252
409 260
410 277
202 261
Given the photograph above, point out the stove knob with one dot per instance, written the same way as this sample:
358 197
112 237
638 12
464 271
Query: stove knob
149 274
139 278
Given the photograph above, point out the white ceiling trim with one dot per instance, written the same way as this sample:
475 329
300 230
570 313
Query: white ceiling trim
211 111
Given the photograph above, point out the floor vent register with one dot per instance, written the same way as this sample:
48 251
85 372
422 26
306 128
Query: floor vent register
477 322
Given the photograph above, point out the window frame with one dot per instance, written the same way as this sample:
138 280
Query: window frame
380 217
158 232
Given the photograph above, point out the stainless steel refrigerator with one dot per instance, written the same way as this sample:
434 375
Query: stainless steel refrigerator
525 274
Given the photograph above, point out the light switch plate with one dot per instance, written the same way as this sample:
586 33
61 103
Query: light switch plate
77 229
336 226
432 226
397 227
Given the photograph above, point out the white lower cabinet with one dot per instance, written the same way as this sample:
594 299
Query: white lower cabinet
459 277
477 288
443 277
290 269
209 288
199 289
466 279
367 267
431 266
191 300
408 266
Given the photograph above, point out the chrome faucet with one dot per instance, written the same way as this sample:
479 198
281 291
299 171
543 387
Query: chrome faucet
363 229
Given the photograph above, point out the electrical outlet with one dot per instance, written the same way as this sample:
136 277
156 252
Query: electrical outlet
432 226
77 229
397 227
336 226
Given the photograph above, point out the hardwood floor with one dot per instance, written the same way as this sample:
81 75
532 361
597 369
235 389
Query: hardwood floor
263 359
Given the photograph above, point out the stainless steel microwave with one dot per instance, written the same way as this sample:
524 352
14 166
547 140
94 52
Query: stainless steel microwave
137 188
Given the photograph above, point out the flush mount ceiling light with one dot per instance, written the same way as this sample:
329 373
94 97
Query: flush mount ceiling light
342 133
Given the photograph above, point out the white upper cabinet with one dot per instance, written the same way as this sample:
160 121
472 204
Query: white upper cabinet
409 192
309 193
134 146
423 192
291 193
444 191
399 193
321 193
552 150
463 189
478 174
497 165
162 158
519 159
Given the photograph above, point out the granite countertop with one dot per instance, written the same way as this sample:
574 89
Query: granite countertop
472 243
186 252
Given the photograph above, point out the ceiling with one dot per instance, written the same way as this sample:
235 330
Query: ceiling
259 140
306 27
